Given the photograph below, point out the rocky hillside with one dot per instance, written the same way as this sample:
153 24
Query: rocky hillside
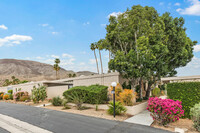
29 70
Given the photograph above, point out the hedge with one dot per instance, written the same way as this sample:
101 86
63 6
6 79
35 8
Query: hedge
187 92
90 94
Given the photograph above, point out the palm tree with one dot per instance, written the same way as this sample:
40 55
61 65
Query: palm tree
100 47
93 48
56 67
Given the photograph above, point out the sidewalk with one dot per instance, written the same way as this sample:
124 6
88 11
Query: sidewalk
142 118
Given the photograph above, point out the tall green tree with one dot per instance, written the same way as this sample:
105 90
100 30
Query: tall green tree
56 66
146 46
93 47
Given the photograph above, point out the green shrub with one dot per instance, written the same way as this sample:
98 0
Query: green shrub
187 92
64 103
195 116
10 91
156 92
88 94
119 108
10 96
38 93
56 101
162 87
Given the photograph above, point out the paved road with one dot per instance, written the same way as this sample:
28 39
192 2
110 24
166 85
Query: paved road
61 122
3 130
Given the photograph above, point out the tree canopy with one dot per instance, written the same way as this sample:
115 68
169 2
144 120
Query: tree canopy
146 45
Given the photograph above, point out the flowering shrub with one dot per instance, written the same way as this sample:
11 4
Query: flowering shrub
1 95
19 94
165 111
127 97
5 97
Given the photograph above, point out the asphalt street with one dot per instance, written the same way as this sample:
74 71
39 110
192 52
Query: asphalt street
62 122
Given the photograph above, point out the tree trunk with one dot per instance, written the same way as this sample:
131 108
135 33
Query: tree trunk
101 62
141 87
148 90
56 74
96 62
133 88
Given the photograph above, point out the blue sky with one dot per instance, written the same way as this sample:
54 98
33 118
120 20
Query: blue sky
42 30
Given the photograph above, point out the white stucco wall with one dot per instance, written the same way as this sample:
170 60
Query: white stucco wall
55 91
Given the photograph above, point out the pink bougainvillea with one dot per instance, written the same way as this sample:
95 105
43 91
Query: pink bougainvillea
19 94
165 111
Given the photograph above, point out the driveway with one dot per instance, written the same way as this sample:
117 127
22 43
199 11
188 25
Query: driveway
62 122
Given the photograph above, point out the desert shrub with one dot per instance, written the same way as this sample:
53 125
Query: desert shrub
64 103
88 94
1 95
187 92
165 111
38 93
195 116
24 98
119 108
10 96
77 99
56 101
6 97
19 94
127 97
156 92
10 91
118 90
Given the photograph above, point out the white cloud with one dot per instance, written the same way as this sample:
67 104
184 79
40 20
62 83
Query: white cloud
14 39
67 62
177 4
44 25
3 27
38 57
87 23
161 3
54 33
192 68
67 55
55 56
115 14
82 63
83 52
197 48
92 61
193 9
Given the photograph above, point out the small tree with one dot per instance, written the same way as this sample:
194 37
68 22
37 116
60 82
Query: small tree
38 93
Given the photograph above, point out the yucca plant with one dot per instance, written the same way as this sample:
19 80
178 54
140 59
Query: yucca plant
77 99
